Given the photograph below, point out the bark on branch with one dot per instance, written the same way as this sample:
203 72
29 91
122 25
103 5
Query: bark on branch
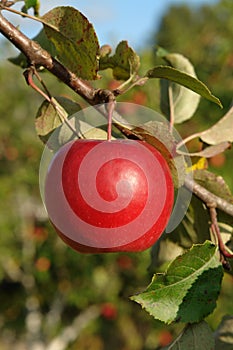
37 56
210 199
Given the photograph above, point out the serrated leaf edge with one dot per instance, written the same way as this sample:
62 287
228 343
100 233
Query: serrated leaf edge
196 274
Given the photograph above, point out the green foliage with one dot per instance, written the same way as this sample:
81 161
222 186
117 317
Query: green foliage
219 132
75 40
194 337
35 4
158 135
214 184
52 115
181 293
124 63
203 35
184 102
184 79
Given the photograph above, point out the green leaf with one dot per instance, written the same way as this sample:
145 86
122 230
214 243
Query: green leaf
75 40
188 290
162 252
48 118
181 101
213 183
186 80
222 131
193 229
58 123
124 63
158 135
35 4
64 133
224 334
209 151
219 135
197 336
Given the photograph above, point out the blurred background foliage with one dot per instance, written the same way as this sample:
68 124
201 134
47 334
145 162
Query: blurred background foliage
51 295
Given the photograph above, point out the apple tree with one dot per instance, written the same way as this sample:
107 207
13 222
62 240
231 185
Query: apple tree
190 258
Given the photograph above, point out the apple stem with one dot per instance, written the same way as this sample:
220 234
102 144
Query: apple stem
110 109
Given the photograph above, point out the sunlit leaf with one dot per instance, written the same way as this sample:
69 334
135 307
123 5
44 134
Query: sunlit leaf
183 101
219 134
186 80
75 40
35 4
48 117
188 290
213 183
209 151
222 131
124 63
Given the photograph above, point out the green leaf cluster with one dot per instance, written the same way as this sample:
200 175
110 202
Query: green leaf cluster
184 292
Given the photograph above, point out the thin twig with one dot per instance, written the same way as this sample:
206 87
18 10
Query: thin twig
37 56
23 14
28 74
71 332
188 139
48 97
210 199
37 75
110 109
171 106
224 253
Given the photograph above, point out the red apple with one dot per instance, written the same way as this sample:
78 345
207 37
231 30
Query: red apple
109 311
109 196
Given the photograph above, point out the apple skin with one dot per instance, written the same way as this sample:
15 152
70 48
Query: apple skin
109 196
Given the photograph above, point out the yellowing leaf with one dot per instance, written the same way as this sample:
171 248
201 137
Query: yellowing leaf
200 164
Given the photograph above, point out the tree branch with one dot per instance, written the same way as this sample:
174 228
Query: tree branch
224 253
37 56
210 199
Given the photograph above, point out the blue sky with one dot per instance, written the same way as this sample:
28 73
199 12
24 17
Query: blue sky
132 20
